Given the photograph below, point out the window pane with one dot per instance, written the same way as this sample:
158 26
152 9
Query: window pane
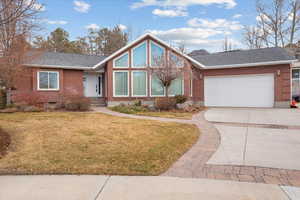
122 61
121 83
139 56
157 89
296 73
53 81
176 87
139 83
43 80
157 53
176 60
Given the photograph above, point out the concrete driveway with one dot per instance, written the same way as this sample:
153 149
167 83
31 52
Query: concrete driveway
248 145
285 117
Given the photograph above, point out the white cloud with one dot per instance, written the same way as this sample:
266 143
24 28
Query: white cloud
92 26
36 6
170 13
221 24
122 27
262 17
58 22
195 38
183 3
81 6
237 16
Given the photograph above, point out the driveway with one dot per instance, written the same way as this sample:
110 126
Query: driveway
244 143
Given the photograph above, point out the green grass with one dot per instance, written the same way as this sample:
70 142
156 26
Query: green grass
91 143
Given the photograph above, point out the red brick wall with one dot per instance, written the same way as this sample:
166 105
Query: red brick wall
282 81
70 83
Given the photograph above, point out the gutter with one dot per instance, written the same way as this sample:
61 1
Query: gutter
251 64
59 66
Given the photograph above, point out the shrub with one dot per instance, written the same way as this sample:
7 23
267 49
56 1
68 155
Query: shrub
180 99
77 103
2 99
29 98
165 103
137 103
129 109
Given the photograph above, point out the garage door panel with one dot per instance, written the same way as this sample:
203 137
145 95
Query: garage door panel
239 91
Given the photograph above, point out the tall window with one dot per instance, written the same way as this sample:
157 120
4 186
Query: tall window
157 54
139 83
122 61
176 87
139 56
157 89
178 61
296 83
48 80
121 83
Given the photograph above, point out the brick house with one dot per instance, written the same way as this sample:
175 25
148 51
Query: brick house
248 78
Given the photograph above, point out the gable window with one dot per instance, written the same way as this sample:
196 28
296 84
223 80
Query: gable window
139 56
176 87
48 80
122 61
157 54
120 83
176 60
139 83
157 89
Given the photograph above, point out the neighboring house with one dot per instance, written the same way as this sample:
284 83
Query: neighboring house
250 78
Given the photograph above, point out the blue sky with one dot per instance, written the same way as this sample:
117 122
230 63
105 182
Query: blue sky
196 23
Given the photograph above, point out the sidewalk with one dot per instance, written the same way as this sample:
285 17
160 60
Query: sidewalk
137 188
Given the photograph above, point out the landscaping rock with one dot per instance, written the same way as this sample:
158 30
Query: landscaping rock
32 109
183 106
9 110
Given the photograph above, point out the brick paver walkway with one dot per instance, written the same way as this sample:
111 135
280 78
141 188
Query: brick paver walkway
193 163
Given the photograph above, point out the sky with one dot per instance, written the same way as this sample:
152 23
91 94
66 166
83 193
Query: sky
198 24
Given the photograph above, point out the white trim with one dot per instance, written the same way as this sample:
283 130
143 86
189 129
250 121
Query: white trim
182 89
58 66
151 95
132 94
150 52
120 57
126 71
132 66
49 89
251 64
142 38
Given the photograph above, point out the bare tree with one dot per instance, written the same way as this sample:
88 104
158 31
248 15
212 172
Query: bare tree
253 37
166 71
13 39
294 16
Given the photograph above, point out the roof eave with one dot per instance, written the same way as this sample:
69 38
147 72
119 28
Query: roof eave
59 66
252 64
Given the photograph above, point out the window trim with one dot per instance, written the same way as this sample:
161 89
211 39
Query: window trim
114 91
152 95
181 89
132 94
292 74
48 89
132 62
150 52
114 61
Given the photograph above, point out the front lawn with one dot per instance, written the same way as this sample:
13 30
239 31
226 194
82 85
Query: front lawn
91 143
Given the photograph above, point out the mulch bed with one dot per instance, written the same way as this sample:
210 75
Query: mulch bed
5 141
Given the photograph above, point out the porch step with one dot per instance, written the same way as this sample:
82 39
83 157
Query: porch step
97 102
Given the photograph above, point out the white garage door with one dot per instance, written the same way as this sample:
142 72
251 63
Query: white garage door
239 91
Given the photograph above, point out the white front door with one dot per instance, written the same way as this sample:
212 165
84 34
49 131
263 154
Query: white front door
92 85
239 91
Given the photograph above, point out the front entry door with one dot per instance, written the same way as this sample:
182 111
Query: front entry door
93 85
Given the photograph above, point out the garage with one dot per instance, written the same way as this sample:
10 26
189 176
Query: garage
239 90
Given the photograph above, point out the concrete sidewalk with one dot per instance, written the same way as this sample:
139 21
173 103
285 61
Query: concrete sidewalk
136 188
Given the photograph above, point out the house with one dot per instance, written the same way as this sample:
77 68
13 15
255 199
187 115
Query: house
248 78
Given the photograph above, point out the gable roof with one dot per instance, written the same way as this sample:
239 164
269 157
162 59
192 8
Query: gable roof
245 58
151 36
65 60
